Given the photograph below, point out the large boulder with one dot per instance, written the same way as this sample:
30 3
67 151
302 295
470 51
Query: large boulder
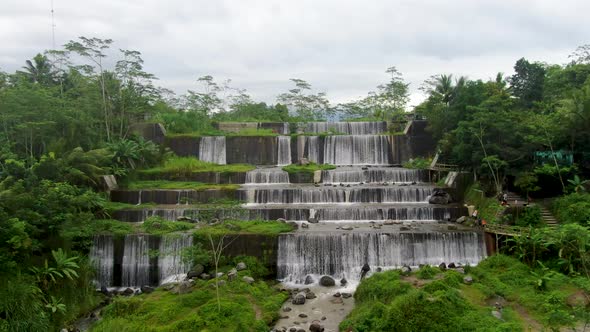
232 274
327 281
241 266
182 287
439 196
299 298
248 279
315 326
147 289
309 280
195 272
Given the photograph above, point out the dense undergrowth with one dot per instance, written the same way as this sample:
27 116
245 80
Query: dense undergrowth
242 307
530 299
184 166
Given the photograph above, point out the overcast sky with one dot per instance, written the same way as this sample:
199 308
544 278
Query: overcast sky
341 47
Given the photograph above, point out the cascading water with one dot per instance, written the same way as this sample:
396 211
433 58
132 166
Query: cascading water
348 128
355 175
284 150
267 176
328 195
343 255
356 150
102 255
171 265
136 260
142 259
212 149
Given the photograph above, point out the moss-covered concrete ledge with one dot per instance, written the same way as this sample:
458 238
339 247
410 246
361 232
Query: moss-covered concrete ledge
170 196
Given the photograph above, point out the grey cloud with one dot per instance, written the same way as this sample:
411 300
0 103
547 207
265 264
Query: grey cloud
341 47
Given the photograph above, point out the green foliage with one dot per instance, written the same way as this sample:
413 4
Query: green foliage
240 305
309 168
178 167
487 207
163 184
418 163
530 216
255 268
157 225
427 272
382 287
263 227
573 208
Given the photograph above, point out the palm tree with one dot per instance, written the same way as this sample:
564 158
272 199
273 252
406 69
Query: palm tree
38 70
446 89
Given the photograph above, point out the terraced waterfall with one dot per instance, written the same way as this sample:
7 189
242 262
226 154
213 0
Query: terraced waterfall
366 211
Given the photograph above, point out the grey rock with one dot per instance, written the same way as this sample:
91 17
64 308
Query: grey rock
196 271
310 295
232 274
312 220
404 228
299 298
204 276
127 292
302 316
337 294
282 220
461 220
304 225
497 314
327 281
406 270
219 274
442 266
287 309
343 281
248 280
241 266
309 280
468 280
182 287
452 228
346 228
346 295
315 326
147 289
452 265
439 196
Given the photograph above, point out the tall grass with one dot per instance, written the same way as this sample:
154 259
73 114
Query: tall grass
187 165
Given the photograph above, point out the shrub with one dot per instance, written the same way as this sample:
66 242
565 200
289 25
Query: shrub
427 272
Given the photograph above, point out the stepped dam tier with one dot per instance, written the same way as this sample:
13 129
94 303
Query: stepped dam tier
342 255
139 260
353 143
356 175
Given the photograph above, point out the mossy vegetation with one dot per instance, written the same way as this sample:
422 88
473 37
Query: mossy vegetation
308 168
418 163
488 208
242 307
163 184
262 227
389 301
188 165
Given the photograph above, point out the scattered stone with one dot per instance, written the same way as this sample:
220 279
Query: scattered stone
312 220
452 266
343 281
310 295
388 222
285 317
406 270
293 329
497 314
304 225
248 280
241 266
323 318
442 266
346 228
147 289
195 271
219 274
302 316
287 309
309 280
168 287
365 168
379 269
315 326
232 274
460 270
300 330
452 228
105 291
346 295
461 220
299 298
337 294
404 228
439 196
468 280
337 300
327 281
127 292
182 287
204 276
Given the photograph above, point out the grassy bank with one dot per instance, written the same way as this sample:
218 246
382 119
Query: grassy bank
442 301
262 227
309 168
242 307
188 165
163 184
